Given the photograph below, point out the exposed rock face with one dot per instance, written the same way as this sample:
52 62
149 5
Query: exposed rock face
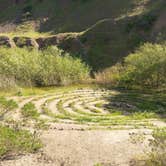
64 41
159 28
47 41
73 45
70 43
6 41
25 42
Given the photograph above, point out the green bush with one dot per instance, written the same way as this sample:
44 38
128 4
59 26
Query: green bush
146 67
29 110
43 68
6 105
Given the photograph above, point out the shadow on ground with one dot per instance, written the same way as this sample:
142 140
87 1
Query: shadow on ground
131 102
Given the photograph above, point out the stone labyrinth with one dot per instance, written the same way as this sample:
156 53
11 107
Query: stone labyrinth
85 107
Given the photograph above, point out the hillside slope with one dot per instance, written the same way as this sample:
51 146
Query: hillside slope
68 15
106 30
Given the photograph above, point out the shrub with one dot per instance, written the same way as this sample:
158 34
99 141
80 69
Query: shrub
157 155
6 105
110 75
62 70
43 68
146 67
29 110
14 142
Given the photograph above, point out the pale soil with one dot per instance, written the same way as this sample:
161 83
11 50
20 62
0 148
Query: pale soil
77 147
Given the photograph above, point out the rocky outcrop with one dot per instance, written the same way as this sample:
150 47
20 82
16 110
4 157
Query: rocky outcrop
67 42
70 43
54 40
6 41
25 42
47 41
159 28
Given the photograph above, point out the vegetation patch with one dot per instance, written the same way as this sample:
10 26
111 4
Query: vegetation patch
6 106
157 154
157 157
29 111
14 142
145 68
26 66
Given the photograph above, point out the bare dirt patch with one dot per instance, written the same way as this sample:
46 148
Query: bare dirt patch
80 148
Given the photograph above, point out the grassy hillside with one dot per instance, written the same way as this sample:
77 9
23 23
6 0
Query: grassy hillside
110 29
65 15
70 15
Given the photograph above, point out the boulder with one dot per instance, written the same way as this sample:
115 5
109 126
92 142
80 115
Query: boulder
6 41
67 42
44 42
25 42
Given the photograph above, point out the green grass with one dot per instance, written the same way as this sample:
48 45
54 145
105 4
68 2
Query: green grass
137 119
42 125
116 117
31 34
6 106
29 111
98 164
14 142
99 105
143 101
61 109
29 91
